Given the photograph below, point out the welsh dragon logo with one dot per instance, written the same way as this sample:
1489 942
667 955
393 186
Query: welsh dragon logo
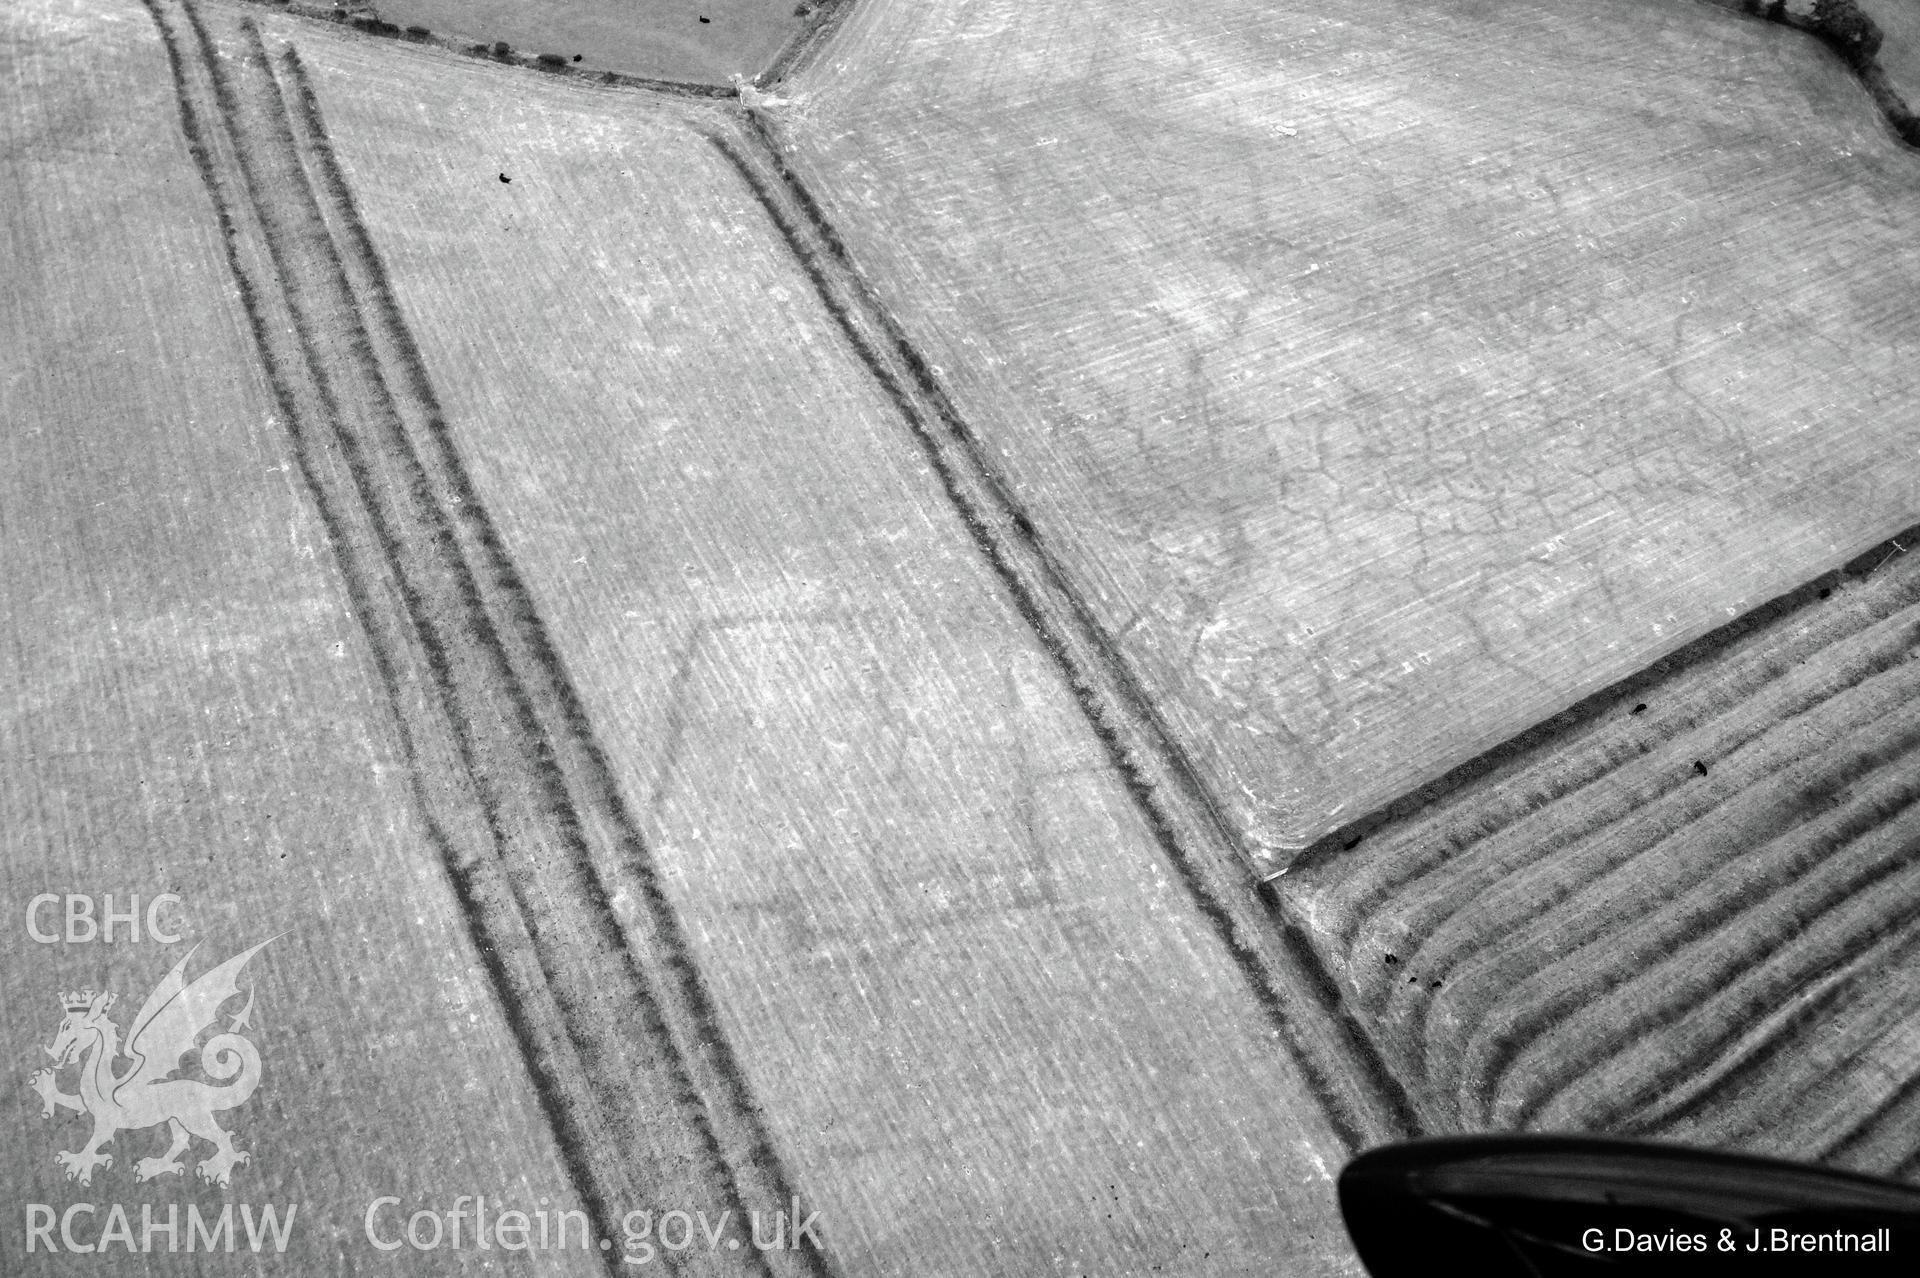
144 1094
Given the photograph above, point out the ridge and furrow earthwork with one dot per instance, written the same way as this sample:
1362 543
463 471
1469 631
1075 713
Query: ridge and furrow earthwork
858 582
1692 915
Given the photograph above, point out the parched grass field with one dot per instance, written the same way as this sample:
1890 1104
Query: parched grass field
1387 379
733 645
986 1028
187 707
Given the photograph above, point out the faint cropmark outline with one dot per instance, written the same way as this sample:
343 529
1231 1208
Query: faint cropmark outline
145 1093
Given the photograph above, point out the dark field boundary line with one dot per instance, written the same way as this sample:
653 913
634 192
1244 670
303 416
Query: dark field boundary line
1895 112
363 576
336 477
1694 918
741 1139
633 1115
1902 122
361 580
805 44
794 54
343 488
1644 686
1363 1102
377 29
1288 937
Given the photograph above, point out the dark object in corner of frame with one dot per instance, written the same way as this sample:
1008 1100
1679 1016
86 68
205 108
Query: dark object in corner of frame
1524 1206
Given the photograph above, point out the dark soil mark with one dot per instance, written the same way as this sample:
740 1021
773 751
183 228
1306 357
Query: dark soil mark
617 1028
722 1085
1363 1102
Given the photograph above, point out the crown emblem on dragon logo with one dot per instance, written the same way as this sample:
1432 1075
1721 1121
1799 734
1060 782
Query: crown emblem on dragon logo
164 1032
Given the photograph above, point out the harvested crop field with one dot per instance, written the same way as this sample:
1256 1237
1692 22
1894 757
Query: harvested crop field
756 656
1693 917
911 883
189 707
1382 385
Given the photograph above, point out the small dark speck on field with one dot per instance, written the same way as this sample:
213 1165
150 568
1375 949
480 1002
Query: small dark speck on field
1393 958
505 178
1700 767
1352 843
706 19
576 57
1433 985
1826 594
1639 709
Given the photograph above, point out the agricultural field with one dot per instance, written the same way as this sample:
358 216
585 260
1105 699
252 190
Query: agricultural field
1695 917
1011 640
1899 52
690 41
944 938
187 709
1387 382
